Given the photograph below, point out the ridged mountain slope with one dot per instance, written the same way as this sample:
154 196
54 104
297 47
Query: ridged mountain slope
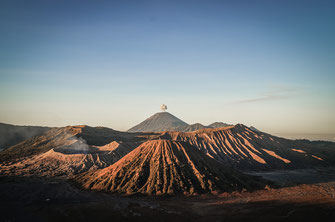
243 148
167 167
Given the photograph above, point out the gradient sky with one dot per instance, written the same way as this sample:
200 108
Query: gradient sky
270 64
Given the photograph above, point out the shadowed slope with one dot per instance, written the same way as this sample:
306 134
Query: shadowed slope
167 167
40 144
11 134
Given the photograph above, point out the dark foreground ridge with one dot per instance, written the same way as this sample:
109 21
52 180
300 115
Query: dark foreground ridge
24 199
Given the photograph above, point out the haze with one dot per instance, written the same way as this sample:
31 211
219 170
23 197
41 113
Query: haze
270 64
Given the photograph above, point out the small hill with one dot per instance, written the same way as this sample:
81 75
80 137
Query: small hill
218 125
190 128
167 167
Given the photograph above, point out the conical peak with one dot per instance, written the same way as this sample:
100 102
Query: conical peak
162 121
165 115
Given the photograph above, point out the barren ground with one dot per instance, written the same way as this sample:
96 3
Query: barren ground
29 199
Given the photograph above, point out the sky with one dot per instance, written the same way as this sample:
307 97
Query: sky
265 63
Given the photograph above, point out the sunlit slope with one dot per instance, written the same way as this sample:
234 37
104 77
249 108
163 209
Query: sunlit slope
167 167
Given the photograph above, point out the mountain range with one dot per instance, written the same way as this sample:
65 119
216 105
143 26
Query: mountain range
162 161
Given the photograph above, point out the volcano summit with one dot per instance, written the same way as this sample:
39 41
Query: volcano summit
164 121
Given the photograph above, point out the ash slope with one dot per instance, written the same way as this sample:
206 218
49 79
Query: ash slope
57 137
165 121
167 167
244 149
69 160
68 151
11 134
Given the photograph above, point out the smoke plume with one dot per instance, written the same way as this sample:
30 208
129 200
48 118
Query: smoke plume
164 107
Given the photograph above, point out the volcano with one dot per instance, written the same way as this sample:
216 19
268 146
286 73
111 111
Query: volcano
162 121
167 167
67 151
165 121
70 150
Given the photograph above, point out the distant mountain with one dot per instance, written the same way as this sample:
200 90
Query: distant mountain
167 167
218 125
165 121
11 134
162 121
193 127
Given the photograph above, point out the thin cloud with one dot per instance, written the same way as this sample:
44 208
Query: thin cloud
276 94
265 98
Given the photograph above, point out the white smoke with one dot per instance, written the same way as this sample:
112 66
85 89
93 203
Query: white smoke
164 107
77 146
80 146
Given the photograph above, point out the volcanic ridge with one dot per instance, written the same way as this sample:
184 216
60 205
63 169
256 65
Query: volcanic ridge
167 167
207 160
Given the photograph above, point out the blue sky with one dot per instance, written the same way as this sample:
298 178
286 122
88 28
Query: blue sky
113 63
